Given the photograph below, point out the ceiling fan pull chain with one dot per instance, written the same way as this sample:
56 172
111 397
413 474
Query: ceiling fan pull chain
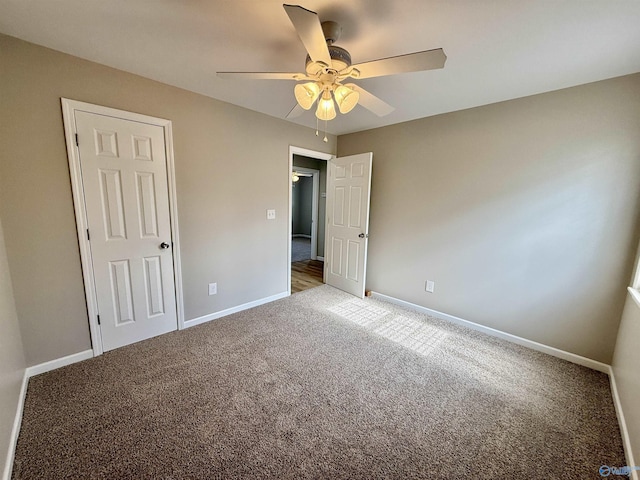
325 139
317 120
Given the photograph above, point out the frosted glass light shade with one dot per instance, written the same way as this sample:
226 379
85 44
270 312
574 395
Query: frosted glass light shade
326 109
346 98
306 94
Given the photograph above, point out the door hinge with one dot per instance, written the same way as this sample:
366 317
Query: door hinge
88 236
77 141
98 319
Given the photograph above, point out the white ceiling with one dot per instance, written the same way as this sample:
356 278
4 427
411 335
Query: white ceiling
497 50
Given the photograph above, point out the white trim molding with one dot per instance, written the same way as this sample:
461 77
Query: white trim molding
540 347
69 108
223 313
28 373
59 363
624 431
15 430
635 294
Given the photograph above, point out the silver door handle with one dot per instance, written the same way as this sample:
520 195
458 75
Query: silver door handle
164 245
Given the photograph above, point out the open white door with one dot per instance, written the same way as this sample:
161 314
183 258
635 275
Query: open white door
348 194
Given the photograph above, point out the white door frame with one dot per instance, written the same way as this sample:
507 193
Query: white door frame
293 150
315 176
69 107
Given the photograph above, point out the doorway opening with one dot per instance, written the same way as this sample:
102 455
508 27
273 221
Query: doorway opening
307 220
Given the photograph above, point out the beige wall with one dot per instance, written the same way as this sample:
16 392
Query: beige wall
220 151
626 368
12 363
522 212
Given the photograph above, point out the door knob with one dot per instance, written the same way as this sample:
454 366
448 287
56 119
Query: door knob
362 235
164 245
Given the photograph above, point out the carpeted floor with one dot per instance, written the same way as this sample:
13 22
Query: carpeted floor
319 385
300 249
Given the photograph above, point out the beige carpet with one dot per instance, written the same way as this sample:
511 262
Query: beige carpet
319 385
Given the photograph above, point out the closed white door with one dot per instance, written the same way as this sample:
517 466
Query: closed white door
349 187
124 180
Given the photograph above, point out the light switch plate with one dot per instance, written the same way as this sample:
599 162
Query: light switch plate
271 214
213 288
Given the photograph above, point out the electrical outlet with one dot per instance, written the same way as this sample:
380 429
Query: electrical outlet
271 214
213 288
430 286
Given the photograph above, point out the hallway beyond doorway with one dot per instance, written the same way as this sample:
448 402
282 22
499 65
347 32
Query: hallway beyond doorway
306 274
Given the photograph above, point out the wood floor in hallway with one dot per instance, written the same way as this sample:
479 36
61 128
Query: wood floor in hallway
306 274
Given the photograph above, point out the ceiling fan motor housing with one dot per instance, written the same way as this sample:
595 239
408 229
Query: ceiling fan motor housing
340 59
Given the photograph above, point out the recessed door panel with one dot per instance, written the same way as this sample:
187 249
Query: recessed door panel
147 205
153 281
106 143
121 293
353 255
355 207
336 256
141 148
339 206
112 207
357 170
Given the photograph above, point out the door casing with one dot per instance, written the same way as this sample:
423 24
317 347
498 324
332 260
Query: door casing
306 153
69 107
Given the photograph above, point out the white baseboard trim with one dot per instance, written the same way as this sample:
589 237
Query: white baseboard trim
58 363
15 430
301 235
223 313
28 373
626 440
318 257
540 347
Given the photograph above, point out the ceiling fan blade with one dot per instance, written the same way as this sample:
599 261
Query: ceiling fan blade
413 62
371 102
295 112
307 24
262 75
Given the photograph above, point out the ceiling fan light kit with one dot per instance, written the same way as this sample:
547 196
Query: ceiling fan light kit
328 65
306 94
326 109
346 98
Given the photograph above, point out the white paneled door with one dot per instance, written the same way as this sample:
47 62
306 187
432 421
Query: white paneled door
348 186
124 180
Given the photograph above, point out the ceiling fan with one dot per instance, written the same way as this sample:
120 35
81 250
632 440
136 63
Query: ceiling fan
329 66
